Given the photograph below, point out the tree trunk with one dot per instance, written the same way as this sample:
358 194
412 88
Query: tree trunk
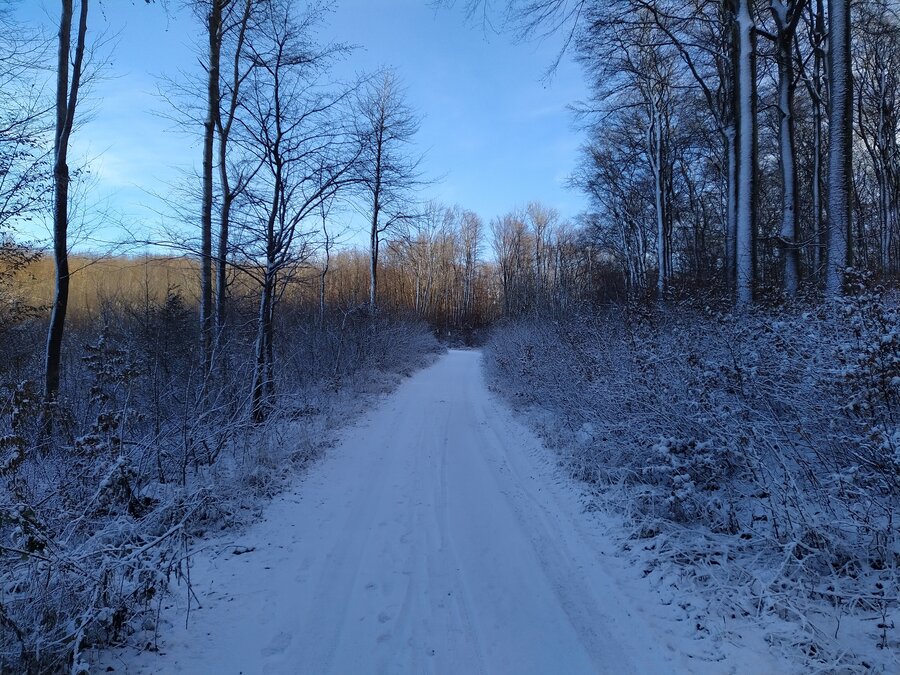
66 102
261 371
730 143
322 297
221 311
373 239
373 264
784 46
840 149
229 194
214 28
818 229
817 92
657 159
745 116
322 280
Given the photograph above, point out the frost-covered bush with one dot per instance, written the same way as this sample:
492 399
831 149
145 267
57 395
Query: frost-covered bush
869 371
691 475
771 434
102 496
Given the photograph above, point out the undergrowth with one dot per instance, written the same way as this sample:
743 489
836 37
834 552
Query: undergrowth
103 497
753 456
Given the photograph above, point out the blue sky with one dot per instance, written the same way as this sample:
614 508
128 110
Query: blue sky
494 129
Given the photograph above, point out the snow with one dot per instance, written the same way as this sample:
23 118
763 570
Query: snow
438 535
691 456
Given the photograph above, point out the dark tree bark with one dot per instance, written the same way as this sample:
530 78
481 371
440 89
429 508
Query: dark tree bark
840 148
66 102
214 35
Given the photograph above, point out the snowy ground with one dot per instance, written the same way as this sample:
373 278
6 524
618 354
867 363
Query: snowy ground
437 536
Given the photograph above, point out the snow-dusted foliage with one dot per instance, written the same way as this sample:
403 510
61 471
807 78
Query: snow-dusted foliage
755 455
102 501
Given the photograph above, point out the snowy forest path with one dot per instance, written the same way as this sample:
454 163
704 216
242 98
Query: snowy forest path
437 536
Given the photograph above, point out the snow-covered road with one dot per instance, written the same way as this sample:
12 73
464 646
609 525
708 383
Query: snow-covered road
436 537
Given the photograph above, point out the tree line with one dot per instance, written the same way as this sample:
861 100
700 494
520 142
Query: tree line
744 146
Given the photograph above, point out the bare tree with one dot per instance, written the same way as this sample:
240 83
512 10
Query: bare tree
24 178
211 12
328 241
416 245
744 102
67 91
234 176
636 77
618 189
211 104
702 31
542 221
816 86
877 69
296 122
470 232
211 15
513 251
388 168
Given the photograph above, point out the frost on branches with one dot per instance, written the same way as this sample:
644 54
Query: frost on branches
756 455
100 513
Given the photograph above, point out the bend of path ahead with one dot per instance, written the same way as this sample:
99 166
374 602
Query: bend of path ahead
437 536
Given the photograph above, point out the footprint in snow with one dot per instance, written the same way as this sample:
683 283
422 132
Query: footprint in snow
279 643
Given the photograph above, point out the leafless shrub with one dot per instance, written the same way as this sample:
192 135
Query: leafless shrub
99 516
770 438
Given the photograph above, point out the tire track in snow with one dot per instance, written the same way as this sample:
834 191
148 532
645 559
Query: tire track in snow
435 537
